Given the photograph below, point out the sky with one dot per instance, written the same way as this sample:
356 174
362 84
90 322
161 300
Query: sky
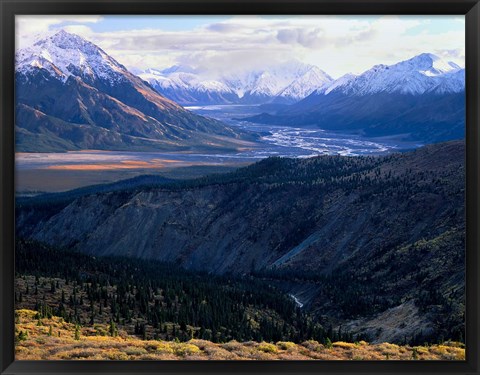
222 45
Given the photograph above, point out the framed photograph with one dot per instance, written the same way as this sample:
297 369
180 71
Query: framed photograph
239 187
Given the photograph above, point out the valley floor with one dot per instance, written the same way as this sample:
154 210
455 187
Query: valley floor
54 339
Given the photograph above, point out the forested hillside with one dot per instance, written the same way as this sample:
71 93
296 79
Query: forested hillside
154 300
364 243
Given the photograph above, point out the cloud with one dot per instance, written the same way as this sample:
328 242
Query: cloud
336 44
30 27
213 64
310 38
222 27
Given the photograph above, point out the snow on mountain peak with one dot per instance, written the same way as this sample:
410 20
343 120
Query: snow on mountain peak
428 64
342 81
414 76
313 79
261 83
64 54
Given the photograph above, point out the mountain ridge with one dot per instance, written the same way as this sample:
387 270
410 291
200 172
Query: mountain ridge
231 187
287 82
420 99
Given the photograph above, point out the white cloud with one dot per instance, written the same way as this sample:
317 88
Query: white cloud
29 27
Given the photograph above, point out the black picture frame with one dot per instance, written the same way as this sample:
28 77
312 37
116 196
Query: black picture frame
10 8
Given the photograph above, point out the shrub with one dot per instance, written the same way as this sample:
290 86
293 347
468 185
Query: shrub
286 345
186 349
313 345
163 347
414 353
78 353
135 351
22 336
421 350
344 345
328 343
267 347
116 356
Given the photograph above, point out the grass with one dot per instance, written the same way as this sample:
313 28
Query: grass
54 339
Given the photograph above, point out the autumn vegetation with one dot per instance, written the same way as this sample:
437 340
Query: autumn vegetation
54 339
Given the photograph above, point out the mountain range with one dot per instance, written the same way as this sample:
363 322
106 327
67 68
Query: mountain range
420 99
70 94
286 82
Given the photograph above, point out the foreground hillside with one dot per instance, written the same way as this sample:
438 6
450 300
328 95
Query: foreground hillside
54 339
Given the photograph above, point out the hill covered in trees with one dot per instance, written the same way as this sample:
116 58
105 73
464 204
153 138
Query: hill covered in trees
155 300
360 241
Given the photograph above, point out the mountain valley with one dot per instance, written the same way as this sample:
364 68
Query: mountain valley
291 220
260 203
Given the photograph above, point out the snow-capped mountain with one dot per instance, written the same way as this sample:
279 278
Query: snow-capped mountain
270 82
285 82
314 79
187 88
72 95
419 99
418 75
64 55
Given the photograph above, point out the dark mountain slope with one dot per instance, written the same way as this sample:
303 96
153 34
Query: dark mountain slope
428 118
309 214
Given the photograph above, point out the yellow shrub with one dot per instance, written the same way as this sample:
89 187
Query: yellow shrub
455 344
421 349
440 349
344 345
25 313
164 347
116 356
186 349
267 347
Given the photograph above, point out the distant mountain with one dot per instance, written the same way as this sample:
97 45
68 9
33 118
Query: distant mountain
287 83
187 88
313 80
421 99
70 94
418 75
